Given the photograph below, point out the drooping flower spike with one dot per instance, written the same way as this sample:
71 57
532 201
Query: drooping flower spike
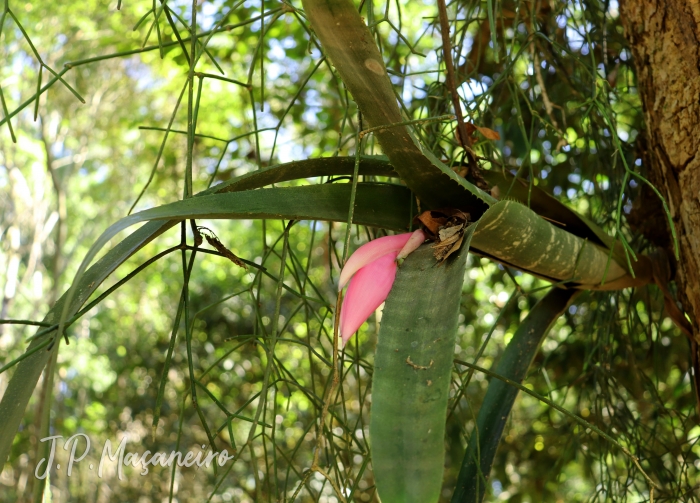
373 270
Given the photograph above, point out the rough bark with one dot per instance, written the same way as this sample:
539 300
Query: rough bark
664 36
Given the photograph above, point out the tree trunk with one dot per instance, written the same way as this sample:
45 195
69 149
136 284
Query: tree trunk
664 36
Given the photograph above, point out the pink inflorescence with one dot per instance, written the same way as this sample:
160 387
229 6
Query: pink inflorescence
373 270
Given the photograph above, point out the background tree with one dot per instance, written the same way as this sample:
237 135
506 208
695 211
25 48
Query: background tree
663 40
554 79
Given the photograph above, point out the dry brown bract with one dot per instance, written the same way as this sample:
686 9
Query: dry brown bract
446 227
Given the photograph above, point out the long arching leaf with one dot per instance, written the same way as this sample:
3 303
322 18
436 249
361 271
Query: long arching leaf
377 205
372 165
21 386
349 44
380 205
495 409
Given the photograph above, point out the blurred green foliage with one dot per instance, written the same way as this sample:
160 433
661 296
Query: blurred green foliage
555 79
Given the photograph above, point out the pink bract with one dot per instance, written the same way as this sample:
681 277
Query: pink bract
370 252
373 270
414 241
368 288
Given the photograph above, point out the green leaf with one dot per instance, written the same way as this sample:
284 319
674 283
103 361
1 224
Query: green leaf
348 43
377 205
494 411
373 165
514 235
411 379
563 217
380 205
538 200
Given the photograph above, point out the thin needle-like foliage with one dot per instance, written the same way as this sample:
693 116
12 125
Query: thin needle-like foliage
218 332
